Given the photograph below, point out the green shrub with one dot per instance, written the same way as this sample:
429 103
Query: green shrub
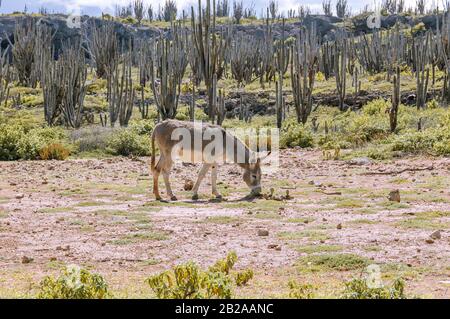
143 127
298 291
16 142
183 114
294 134
74 283
339 262
10 136
31 143
188 281
126 142
364 128
243 277
358 289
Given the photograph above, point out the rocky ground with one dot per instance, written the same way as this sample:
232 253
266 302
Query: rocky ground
100 214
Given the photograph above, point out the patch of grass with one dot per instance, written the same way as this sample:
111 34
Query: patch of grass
310 249
301 220
330 262
258 205
55 210
426 220
151 262
92 204
141 236
266 215
422 223
73 191
363 222
399 180
314 235
388 205
221 220
350 203
432 214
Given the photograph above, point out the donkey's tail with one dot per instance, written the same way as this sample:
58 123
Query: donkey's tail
153 159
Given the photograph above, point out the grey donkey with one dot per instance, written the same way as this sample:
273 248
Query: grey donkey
201 143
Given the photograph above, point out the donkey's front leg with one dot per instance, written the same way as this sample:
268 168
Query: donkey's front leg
201 176
214 181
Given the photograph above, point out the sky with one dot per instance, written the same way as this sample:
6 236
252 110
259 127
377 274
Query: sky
96 7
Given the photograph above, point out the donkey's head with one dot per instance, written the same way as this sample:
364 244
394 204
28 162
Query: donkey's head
252 174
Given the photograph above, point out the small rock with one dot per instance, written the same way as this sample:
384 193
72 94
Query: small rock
20 196
360 161
436 235
394 196
26 260
429 241
339 226
188 185
263 233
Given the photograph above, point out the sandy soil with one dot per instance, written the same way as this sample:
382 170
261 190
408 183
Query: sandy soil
101 214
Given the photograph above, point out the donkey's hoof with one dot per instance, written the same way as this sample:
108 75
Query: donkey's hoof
195 197
158 198
219 197
173 198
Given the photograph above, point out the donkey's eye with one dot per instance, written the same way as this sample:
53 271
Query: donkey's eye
254 176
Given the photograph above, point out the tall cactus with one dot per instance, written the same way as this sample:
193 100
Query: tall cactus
304 66
340 68
280 102
5 77
103 48
64 86
168 63
282 52
121 93
420 58
267 68
443 42
28 37
209 47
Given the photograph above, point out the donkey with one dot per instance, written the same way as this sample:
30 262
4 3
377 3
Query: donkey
201 143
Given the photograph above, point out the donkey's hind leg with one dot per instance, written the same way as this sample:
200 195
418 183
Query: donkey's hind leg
156 172
166 175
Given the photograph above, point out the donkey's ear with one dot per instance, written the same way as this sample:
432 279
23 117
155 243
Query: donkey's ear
263 157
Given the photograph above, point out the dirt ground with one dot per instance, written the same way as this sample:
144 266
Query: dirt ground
101 214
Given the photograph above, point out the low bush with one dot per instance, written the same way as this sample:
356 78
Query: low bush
358 289
74 283
298 291
294 134
34 141
188 281
243 277
10 136
91 139
55 151
125 142
339 262
16 142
